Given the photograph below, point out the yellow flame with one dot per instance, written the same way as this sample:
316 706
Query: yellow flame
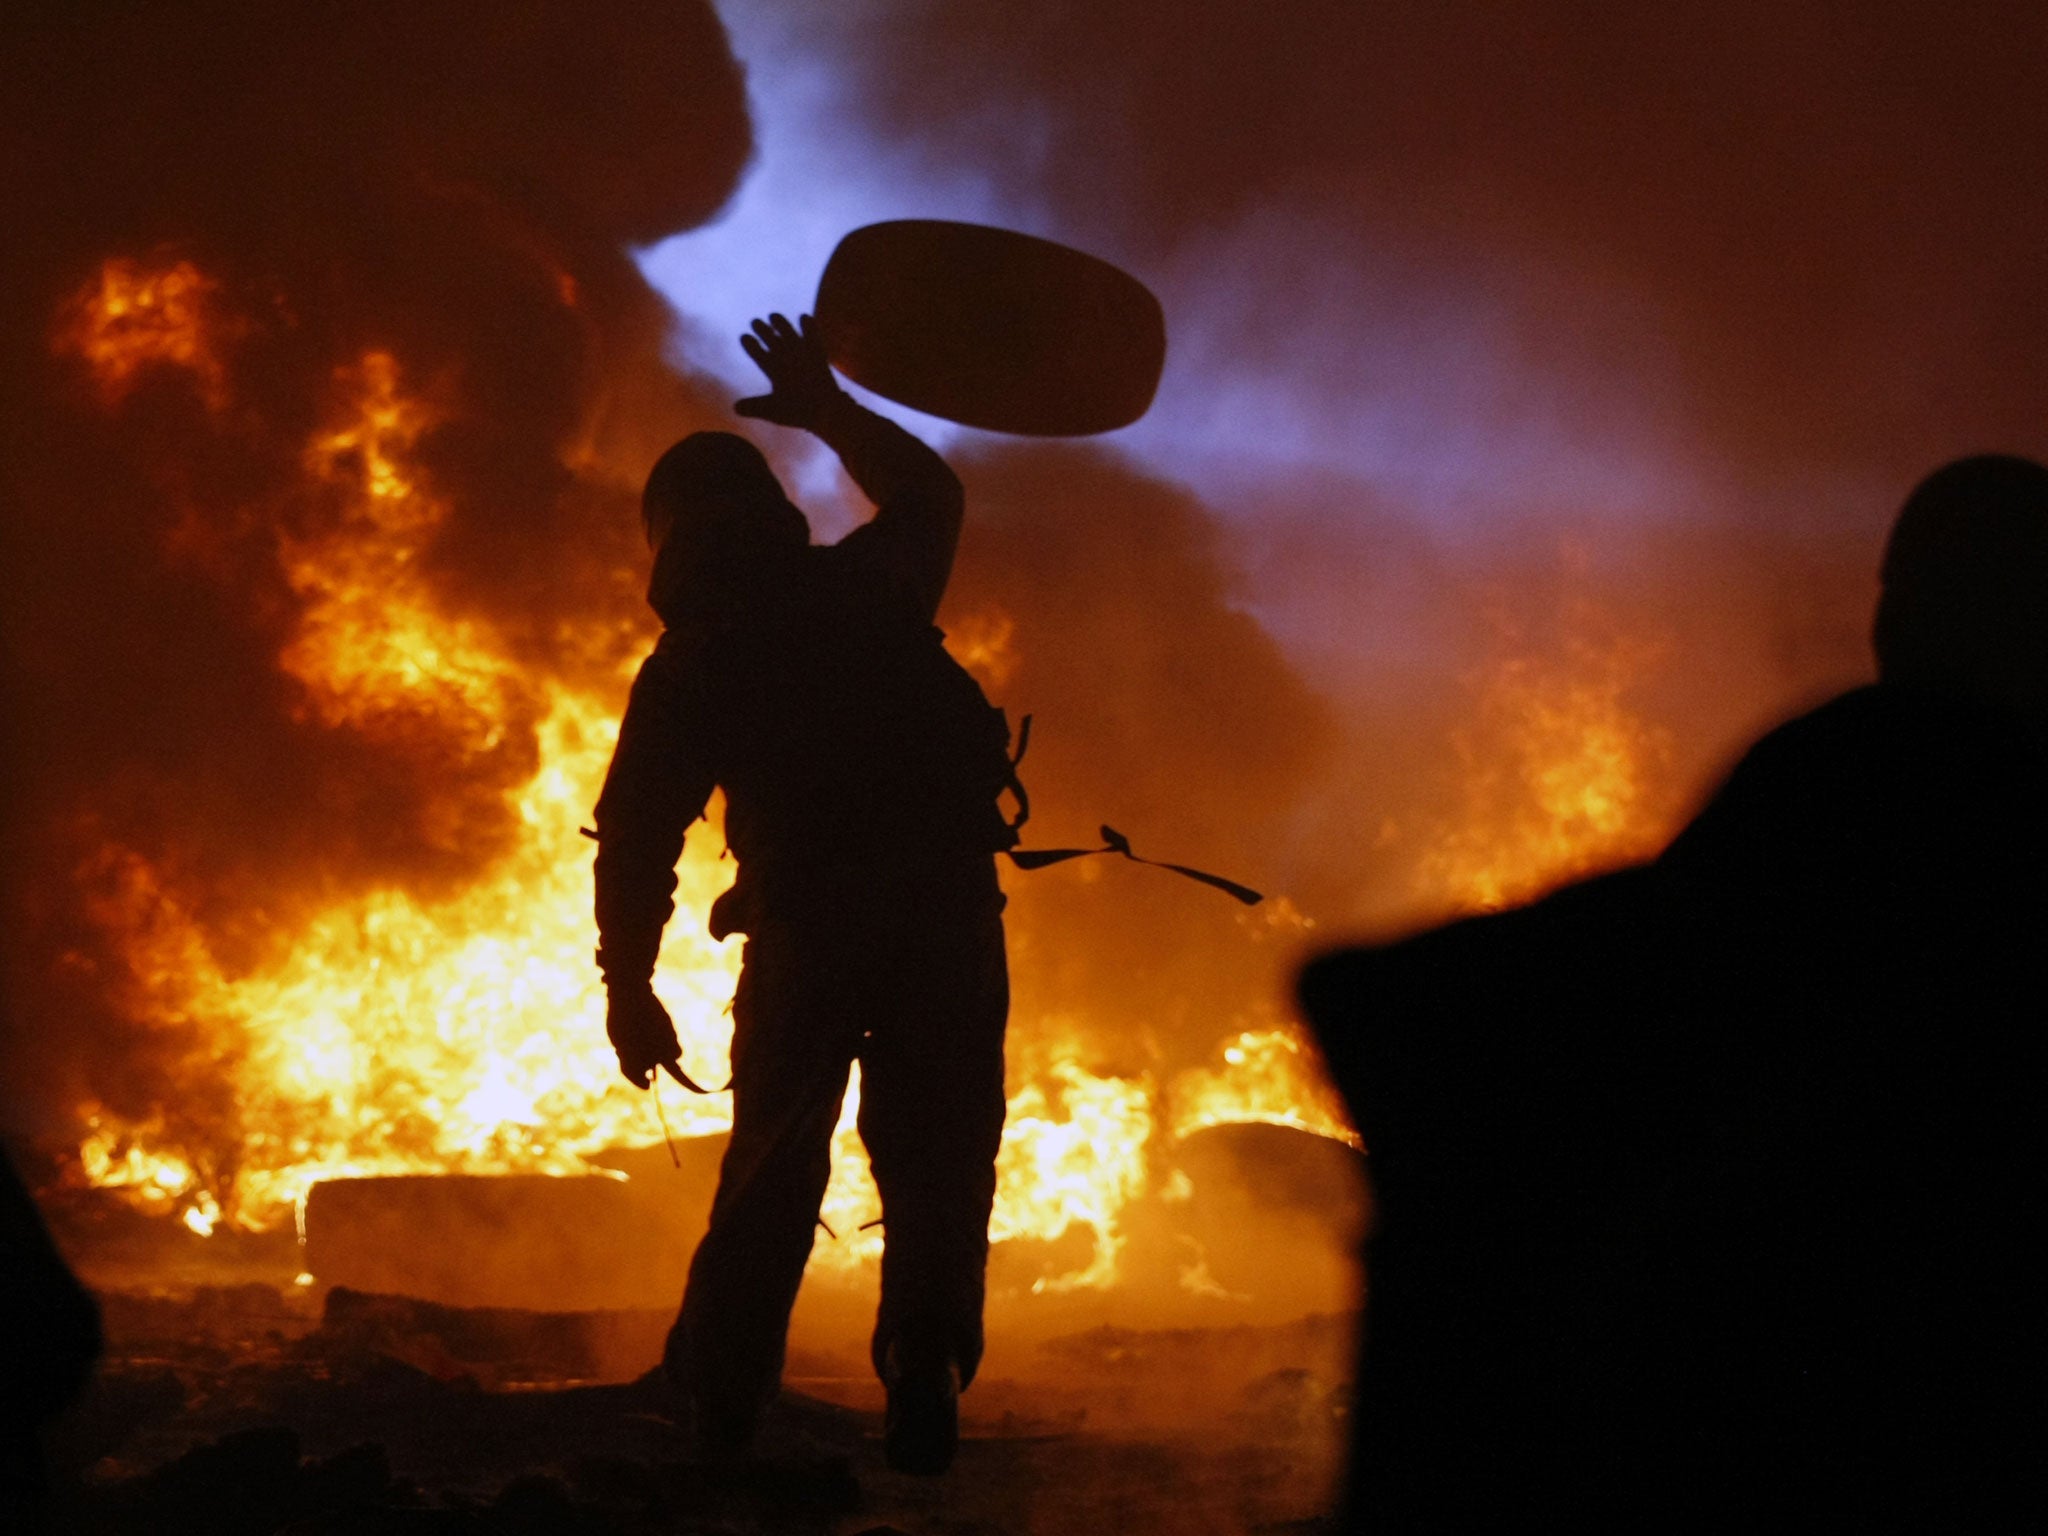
202 1215
1271 1075
113 1157
1074 1153
372 650
399 1034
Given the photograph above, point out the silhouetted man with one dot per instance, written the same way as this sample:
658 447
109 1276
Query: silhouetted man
861 768
1709 1192
49 1339
1873 1310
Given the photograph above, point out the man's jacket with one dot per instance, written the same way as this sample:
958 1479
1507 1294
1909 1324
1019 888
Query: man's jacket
852 750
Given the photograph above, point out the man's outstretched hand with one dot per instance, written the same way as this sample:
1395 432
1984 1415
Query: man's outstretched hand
642 1033
800 381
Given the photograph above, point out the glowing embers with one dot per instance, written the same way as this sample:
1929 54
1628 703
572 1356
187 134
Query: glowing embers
1560 777
134 316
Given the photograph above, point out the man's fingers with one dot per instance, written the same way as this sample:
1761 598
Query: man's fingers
792 355
641 1080
776 324
674 1069
776 333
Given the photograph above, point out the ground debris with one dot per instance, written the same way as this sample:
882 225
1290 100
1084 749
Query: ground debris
495 1346
235 1413
253 1482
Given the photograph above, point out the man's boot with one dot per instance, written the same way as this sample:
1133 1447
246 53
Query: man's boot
722 1423
922 1429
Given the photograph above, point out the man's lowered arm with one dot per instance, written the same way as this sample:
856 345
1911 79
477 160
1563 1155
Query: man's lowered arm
659 782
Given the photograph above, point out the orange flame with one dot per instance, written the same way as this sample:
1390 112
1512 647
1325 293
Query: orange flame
983 644
395 1033
1561 778
371 648
134 316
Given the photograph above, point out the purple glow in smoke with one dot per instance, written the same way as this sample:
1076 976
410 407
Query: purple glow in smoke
1285 359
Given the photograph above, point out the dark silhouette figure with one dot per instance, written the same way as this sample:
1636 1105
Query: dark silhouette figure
49 1339
1709 1192
861 769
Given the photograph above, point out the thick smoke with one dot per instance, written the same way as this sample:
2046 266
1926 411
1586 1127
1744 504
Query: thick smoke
1811 234
453 187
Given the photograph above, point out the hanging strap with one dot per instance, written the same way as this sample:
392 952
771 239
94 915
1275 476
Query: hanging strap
675 1070
1015 785
1114 841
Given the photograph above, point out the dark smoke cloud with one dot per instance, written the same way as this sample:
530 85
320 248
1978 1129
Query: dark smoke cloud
1829 217
456 185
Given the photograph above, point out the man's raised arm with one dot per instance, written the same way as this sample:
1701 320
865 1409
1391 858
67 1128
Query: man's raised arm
918 500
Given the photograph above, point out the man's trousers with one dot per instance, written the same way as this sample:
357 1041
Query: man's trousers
920 999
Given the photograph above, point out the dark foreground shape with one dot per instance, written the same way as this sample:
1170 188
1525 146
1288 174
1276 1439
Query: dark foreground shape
1707 1193
921 1431
1710 1194
1509 1075
49 1338
991 328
